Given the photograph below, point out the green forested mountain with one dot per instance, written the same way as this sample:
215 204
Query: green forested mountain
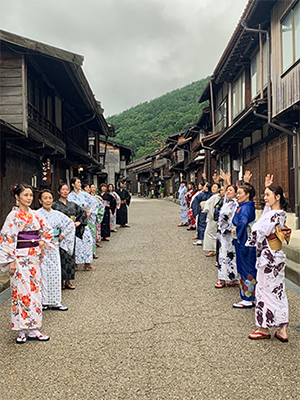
143 126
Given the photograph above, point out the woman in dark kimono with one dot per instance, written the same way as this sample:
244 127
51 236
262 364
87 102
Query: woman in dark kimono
110 205
122 215
78 215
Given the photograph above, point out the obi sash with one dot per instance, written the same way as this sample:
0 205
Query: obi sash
56 235
276 239
28 239
123 201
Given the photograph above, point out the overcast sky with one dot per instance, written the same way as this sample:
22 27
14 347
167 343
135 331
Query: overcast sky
135 50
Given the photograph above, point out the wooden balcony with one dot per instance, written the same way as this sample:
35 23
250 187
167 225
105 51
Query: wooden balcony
42 122
42 131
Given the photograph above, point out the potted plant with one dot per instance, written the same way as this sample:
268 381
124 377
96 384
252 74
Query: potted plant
162 191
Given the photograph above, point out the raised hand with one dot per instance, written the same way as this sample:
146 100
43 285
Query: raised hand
216 178
247 176
268 180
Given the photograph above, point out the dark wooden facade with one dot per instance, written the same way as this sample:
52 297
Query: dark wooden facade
50 120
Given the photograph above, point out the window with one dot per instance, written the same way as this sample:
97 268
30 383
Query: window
225 163
256 71
290 37
238 95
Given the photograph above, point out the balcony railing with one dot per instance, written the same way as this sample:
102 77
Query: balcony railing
35 116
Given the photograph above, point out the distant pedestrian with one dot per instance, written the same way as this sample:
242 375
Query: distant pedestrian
122 213
23 240
267 235
183 205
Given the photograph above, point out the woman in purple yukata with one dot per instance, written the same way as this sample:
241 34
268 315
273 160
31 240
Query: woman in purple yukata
267 235
23 240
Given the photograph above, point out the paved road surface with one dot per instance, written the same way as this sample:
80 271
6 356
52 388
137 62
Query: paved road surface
148 324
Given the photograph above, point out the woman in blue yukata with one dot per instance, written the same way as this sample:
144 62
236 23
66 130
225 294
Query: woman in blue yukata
245 256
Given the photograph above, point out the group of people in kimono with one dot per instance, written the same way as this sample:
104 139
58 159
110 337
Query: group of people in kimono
248 254
42 249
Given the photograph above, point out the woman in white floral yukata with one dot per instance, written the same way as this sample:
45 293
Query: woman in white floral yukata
64 237
267 235
227 259
23 239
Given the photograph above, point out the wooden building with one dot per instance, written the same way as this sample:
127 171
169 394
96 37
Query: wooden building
254 97
49 118
115 157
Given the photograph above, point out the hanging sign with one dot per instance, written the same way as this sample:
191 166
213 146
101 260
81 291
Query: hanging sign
46 171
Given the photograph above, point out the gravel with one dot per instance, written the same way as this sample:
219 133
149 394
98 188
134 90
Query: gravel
149 324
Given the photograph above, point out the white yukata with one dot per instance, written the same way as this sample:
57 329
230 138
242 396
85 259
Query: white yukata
227 257
183 205
84 247
210 234
271 308
51 264
113 216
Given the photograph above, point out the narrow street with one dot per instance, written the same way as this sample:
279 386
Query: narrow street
149 324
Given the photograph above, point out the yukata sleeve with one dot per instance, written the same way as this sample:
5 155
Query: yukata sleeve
128 198
241 229
67 230
8 242
118 201
208 207
113 204
196 204
46 234
80 216
262 229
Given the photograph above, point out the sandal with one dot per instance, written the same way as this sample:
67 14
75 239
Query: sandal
106 239
71 287
220 285
40 337
210 254
88 267
259 335
283 340
21 339
98 245
95 256
233 284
